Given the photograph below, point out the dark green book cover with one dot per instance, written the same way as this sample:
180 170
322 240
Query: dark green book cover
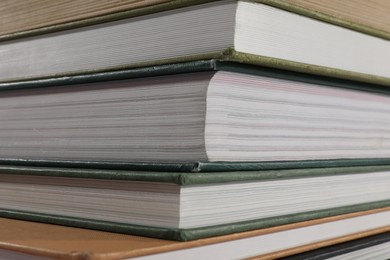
187 180
194 166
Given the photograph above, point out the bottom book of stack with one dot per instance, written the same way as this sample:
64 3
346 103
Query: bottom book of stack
362 248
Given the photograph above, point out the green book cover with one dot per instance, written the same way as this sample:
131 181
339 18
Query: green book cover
79 82
47 186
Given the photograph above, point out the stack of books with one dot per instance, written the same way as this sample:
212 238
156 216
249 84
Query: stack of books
205 129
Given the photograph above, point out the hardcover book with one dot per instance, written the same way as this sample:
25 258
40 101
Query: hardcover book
202 112
364 248
38 16
188 206
243 31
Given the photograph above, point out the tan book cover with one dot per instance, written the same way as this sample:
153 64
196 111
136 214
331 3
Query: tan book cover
373 14
19 16
370 17
59 242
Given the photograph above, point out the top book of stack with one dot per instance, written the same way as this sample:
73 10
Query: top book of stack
162 32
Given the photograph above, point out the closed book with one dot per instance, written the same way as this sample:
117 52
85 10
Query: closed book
371 247
243 31
188 206
37 16
28 240
206 111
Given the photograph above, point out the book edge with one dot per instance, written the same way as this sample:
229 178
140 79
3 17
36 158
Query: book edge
148 68
40 252
227 55
130 13
321 244
258 60
340 246
191 234
233 62
188 178
195 167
